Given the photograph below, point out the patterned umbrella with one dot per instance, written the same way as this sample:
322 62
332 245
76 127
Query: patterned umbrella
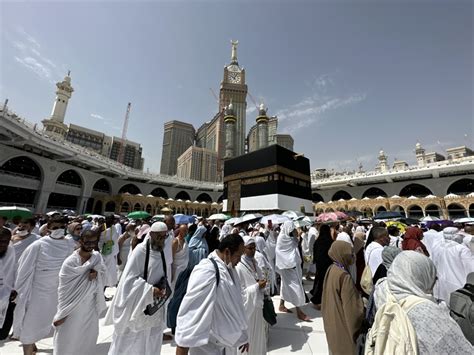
327 217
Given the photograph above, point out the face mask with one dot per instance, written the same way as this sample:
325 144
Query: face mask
76 237
57 233
22 233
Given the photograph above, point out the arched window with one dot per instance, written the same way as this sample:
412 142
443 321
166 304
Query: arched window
317 197
130 188
159 192
23 166
183 195
433 211
204 197
70 177
341 194
137 207
101 185
125 207
415 211
415 190
461 187
456 211
374 192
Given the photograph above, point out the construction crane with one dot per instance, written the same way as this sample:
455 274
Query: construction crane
214 94
253 100
121 152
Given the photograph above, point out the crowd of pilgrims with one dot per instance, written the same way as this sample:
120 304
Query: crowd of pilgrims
212 284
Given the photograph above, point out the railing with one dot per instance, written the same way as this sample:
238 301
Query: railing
25 176
68 184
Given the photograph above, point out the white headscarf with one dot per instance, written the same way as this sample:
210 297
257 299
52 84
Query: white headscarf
411 273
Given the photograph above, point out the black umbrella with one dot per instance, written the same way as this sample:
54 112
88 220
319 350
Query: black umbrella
388 215
410 221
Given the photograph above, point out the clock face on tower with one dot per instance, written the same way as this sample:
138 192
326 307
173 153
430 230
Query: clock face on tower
233 77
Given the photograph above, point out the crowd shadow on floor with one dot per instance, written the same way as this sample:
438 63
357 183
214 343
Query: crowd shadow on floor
288 332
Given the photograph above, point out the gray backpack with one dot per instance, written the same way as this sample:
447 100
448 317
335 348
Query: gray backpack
462 310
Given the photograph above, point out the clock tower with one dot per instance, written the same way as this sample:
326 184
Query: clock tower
234 90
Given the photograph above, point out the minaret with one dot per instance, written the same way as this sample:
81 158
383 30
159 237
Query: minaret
383 165
420 154
55 124
229 121
262 128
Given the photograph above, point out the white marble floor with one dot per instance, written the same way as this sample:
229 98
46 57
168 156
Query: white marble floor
289 335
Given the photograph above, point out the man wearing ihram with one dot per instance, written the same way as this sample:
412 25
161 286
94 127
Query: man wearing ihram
212 317
138 308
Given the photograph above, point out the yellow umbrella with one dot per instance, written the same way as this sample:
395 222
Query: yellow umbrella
401 226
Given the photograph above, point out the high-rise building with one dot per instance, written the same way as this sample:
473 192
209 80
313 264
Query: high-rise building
132 156
285 140
198 163
252 137
233 89
178 136
87 138
225 136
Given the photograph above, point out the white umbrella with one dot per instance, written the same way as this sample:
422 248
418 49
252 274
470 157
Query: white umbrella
301 223
293 214
249 218
464 220
233 220
275 218
52 212
430 219
218 217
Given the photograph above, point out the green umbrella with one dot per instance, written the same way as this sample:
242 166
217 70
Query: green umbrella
14 211
138 215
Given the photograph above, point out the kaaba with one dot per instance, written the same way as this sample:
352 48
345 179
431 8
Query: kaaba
271 179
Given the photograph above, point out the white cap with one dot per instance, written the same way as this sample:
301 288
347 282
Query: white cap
158 227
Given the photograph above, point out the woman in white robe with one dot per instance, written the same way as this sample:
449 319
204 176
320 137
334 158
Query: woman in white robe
288 264
253 289
414 274
80 302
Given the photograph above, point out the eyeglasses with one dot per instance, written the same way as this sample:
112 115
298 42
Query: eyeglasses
54 228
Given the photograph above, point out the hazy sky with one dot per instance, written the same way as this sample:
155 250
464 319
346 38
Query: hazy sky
346 78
